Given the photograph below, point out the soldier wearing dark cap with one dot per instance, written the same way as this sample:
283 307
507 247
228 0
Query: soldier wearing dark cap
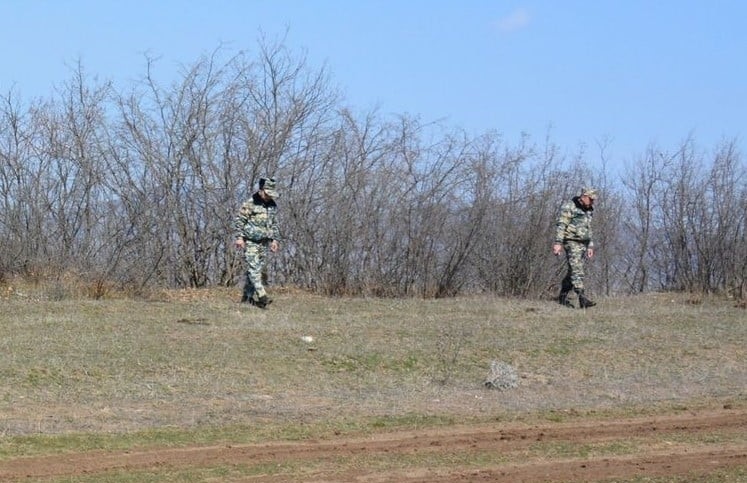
574 235
256 232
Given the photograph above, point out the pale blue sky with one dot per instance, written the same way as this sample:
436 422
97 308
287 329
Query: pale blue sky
632 71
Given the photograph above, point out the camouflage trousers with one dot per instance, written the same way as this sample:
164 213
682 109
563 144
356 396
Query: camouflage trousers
575 253
255 255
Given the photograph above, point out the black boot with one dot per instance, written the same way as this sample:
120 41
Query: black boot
583 301
565 288
563 300
248 298
263 302
247 294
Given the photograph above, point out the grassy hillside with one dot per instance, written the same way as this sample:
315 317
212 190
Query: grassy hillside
199 359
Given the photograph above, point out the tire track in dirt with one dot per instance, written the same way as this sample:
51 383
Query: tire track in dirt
505 438
698 461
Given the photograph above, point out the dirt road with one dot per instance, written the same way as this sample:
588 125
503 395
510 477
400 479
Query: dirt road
659 446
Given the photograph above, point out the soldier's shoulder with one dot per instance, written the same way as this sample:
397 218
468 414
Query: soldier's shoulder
248 206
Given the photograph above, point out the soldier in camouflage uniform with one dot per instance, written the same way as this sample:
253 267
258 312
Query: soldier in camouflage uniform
574 235
256 232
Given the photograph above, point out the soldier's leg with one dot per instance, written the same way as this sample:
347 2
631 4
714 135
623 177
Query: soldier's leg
248 293
574 252
576 262
565 287
254 257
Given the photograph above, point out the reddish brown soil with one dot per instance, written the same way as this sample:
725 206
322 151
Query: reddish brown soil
665 446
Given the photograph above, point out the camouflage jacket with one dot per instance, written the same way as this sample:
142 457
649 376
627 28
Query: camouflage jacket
257 220
574 223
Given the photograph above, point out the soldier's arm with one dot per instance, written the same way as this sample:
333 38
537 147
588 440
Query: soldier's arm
275 232
563 219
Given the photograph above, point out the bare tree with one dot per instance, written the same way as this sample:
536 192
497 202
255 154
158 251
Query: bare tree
191 153
19 228
685 227
140 188
643 183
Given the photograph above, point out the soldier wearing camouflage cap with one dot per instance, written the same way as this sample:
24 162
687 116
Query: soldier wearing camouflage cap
573 234
256 232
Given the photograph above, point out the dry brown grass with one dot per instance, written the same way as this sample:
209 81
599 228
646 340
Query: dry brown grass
197 358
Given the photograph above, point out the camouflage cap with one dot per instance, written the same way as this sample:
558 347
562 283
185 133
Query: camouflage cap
590 192
269 186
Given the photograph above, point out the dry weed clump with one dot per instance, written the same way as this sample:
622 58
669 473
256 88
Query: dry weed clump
61 286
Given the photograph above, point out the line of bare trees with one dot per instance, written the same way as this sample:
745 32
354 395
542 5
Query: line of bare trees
139 187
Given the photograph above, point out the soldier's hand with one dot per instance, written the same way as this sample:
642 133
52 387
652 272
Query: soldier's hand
589 253
557 248
274 246
239 244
